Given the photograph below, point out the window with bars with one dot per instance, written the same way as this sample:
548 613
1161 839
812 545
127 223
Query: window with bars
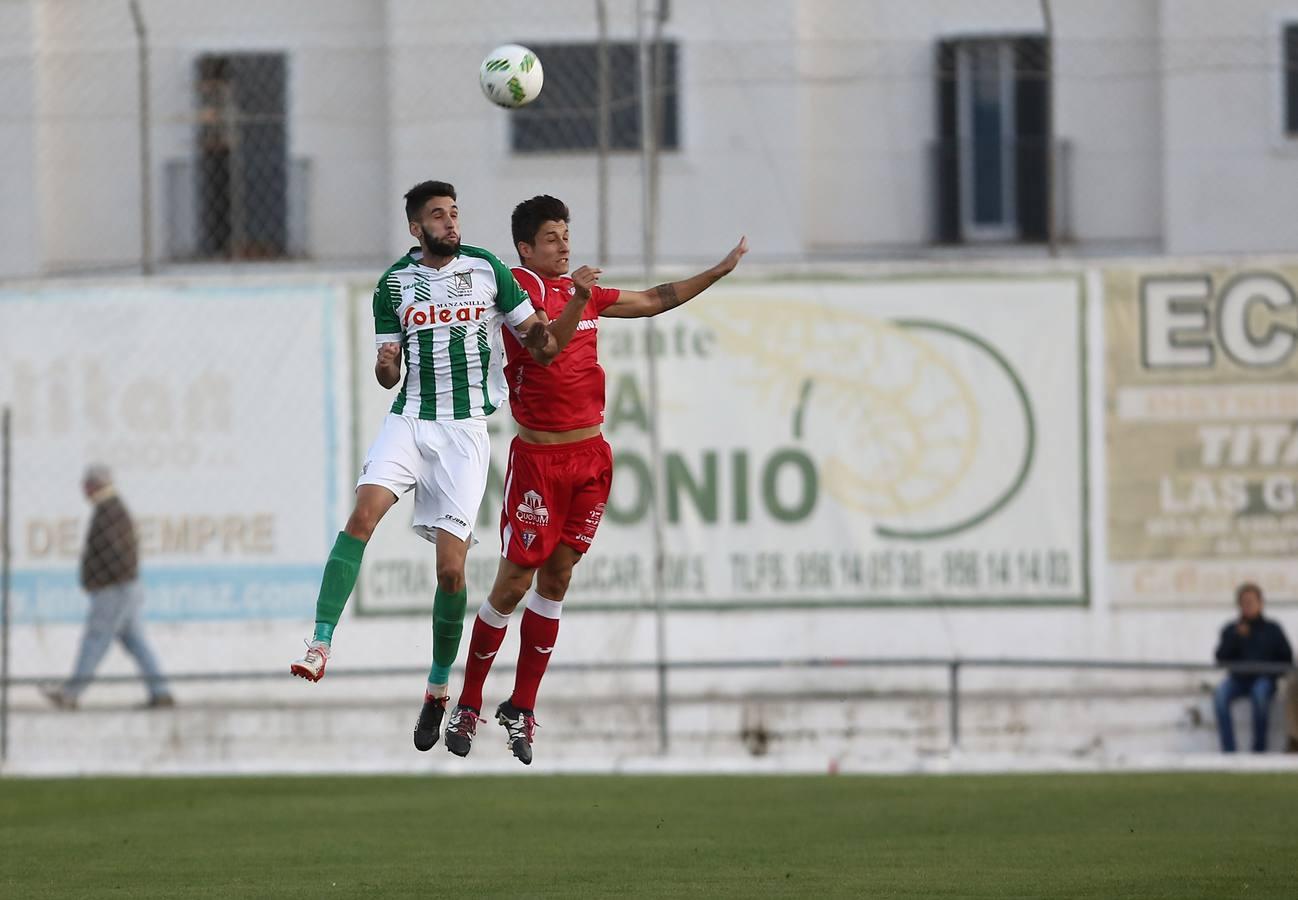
990 153
241 157
566 117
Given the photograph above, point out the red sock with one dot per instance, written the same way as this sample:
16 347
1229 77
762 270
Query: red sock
537 636
482 652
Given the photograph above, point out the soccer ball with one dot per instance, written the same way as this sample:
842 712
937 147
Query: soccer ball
511 76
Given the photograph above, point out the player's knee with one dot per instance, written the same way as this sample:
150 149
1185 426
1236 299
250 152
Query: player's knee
553 585
450 576
504 598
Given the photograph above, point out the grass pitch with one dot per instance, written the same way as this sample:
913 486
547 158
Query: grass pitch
1101 836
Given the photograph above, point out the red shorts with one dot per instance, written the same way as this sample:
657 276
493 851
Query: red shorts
553 493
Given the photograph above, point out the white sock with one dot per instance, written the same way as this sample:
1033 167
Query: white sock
488 614
542 606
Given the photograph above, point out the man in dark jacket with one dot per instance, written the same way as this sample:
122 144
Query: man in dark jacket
110 575
1249 639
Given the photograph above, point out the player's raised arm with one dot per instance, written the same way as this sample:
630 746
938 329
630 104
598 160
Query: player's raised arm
663 297
387 367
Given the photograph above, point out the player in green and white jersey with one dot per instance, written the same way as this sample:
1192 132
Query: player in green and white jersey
440 309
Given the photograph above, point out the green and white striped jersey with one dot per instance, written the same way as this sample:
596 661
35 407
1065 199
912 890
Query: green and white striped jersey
448 321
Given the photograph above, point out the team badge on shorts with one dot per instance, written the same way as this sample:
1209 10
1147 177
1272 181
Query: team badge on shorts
532 511
529 537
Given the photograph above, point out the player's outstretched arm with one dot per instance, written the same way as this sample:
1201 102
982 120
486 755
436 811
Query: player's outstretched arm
659 299
543 339
387 367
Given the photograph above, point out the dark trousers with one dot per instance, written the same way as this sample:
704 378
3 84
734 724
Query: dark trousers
1259 690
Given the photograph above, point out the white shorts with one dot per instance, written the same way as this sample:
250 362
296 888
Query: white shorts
444 461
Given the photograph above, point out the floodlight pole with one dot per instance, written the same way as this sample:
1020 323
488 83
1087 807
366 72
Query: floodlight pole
602 114
146 163
648 215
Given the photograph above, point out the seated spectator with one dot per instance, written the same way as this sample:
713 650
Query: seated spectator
1250 638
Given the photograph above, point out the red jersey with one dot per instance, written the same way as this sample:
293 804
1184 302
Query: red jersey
569 393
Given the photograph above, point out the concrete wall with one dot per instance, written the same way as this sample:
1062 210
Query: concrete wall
19 199
1231 177
86 121
337 95
1109 113
87 136
807 125
733 174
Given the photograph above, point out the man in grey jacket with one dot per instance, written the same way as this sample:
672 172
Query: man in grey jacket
110 575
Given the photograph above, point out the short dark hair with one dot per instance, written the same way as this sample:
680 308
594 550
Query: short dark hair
1247 587
530 215
421 193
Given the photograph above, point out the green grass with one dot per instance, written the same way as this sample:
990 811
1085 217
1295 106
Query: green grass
1101 836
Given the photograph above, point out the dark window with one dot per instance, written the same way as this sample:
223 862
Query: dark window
1291 80
566 115
242 156
989 161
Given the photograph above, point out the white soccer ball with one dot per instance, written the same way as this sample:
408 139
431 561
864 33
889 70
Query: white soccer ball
511 76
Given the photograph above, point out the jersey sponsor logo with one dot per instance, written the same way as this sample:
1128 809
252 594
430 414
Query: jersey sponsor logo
460 285
532 511
417 315
457 521
484 655
585 538
545 650
588 325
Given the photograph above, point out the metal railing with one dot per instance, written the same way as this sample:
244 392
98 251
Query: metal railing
952 665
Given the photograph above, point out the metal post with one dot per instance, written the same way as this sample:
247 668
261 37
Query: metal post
6 516
146 160
648 206
953 701
602 129
1048 73
655 98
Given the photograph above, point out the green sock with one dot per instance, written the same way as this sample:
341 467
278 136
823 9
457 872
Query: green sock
336 586
448 625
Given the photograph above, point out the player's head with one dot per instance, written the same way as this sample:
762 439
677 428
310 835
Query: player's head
1248 597
434 218
540 228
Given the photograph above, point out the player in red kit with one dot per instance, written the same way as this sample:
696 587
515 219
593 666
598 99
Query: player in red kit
560 466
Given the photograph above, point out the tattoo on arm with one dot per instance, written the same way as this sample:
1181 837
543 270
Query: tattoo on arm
667 296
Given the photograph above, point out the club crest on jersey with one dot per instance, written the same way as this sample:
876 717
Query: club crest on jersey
528 538
532 511
461 285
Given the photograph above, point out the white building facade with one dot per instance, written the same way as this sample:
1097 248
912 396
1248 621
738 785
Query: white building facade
823 129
